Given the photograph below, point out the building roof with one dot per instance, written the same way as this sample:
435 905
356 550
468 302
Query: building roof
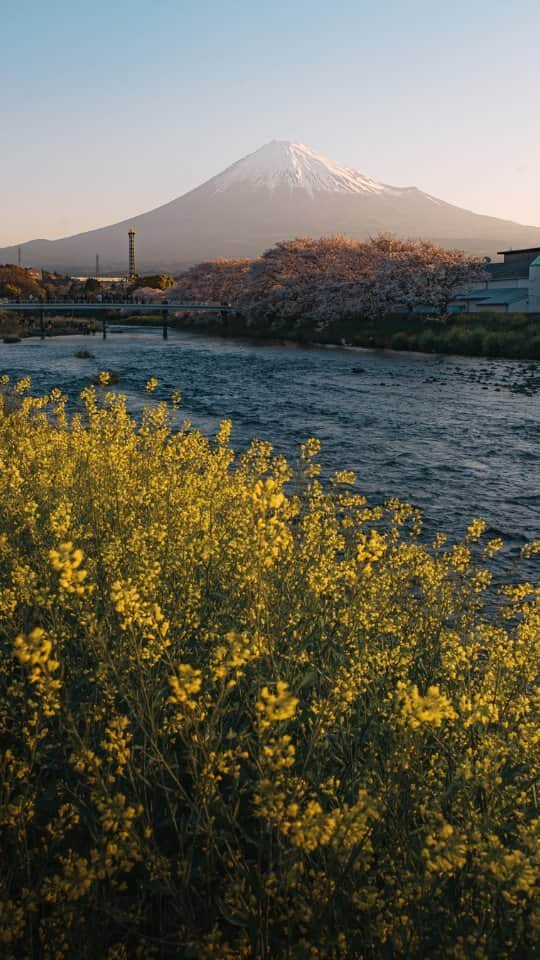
519 250
506 295
473 295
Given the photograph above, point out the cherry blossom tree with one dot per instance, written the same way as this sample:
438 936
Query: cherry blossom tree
334 278
324 280
333 258
417 273
213 281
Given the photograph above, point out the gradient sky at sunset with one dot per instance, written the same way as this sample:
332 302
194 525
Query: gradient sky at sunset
117 107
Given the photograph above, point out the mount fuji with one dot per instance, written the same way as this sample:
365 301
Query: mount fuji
280 191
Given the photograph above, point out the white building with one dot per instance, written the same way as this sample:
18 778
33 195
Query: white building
106 281
513 286
534 285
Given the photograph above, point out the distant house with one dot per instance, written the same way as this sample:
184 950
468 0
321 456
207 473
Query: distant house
105 281
512 286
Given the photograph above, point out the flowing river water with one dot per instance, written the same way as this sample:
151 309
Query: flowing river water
458 437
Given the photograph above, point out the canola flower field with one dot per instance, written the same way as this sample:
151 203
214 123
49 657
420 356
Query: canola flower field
243 715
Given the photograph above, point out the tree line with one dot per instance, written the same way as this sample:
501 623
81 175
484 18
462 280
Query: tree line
331 278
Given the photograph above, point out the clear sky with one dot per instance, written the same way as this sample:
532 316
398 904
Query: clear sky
112 108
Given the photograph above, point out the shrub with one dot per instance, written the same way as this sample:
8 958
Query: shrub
402 341
243 715
428 341
9 325
471 342
534 347
492 345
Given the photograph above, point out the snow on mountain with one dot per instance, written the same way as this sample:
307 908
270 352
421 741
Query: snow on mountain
282 163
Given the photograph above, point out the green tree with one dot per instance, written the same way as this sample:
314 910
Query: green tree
158 281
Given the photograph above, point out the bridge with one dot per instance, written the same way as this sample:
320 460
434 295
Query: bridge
64 306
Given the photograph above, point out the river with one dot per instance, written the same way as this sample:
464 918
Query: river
458 437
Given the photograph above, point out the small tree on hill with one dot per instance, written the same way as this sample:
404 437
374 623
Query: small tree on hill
157 281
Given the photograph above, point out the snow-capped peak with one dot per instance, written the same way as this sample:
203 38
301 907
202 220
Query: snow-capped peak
283 163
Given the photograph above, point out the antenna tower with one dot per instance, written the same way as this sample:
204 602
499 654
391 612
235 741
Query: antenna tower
132 271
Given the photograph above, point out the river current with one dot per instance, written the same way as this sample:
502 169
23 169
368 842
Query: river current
458 437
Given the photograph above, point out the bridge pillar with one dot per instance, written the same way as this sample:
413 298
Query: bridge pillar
224 316
104 327
165 318
42 324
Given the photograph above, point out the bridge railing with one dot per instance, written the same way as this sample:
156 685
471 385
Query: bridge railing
41 307
106 303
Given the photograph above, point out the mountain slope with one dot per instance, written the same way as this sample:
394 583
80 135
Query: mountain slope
282 190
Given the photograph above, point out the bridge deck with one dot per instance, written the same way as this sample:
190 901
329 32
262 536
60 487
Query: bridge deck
51 306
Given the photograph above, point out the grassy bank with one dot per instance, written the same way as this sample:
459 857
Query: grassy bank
478 335
244 716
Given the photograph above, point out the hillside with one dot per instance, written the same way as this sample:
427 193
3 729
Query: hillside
282 190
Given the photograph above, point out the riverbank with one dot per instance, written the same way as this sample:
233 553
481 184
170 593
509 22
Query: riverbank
490 335
13 331
511 336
